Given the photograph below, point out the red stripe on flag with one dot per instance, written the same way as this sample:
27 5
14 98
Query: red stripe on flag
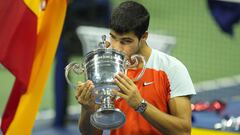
17 42
12 104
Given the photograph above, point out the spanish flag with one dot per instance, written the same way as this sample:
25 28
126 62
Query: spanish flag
29 35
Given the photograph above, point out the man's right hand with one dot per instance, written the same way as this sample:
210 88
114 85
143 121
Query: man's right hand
84 95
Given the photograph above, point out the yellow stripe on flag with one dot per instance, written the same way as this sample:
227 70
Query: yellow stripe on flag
48 36
34 5
199 131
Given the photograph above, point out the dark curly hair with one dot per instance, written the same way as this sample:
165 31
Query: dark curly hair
130 16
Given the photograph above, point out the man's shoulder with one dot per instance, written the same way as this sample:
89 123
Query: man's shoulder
161 60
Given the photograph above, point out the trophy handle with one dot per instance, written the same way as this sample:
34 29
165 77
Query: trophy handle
135 60
77 69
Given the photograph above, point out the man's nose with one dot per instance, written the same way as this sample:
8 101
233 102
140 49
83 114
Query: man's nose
117 46
107 44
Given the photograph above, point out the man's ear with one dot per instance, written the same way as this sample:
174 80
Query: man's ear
145 36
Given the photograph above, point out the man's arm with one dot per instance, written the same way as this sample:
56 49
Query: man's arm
178 122
84 97
85 126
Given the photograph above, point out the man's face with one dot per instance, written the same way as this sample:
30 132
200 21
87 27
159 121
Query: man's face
127 43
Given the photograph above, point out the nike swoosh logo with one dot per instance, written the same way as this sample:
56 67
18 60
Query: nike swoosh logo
147 83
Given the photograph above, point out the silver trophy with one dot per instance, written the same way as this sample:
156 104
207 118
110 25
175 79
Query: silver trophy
100 66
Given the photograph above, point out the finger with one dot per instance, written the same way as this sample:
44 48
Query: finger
121 86
80 84
123 81
85 89
117 93
80 87
81 101
89 92
130 82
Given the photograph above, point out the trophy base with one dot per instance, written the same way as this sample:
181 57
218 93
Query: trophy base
107 119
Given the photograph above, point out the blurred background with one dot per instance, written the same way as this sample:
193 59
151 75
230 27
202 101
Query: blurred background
206 37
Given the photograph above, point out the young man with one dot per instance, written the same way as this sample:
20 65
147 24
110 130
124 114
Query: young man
157 104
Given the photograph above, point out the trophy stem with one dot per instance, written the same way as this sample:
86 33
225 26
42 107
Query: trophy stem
107 102
107 116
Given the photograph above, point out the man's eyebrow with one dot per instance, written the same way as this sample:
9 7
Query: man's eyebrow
124 38
112 35
127 38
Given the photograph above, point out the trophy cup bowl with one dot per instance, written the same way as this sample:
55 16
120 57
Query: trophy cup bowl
101 66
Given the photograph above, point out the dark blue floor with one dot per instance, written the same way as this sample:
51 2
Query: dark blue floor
70 129
207 119
46 128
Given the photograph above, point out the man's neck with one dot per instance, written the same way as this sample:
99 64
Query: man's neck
145 50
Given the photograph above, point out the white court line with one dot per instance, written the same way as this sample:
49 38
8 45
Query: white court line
218 83
237 1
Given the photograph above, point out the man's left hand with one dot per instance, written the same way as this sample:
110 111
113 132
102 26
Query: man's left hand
129 90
